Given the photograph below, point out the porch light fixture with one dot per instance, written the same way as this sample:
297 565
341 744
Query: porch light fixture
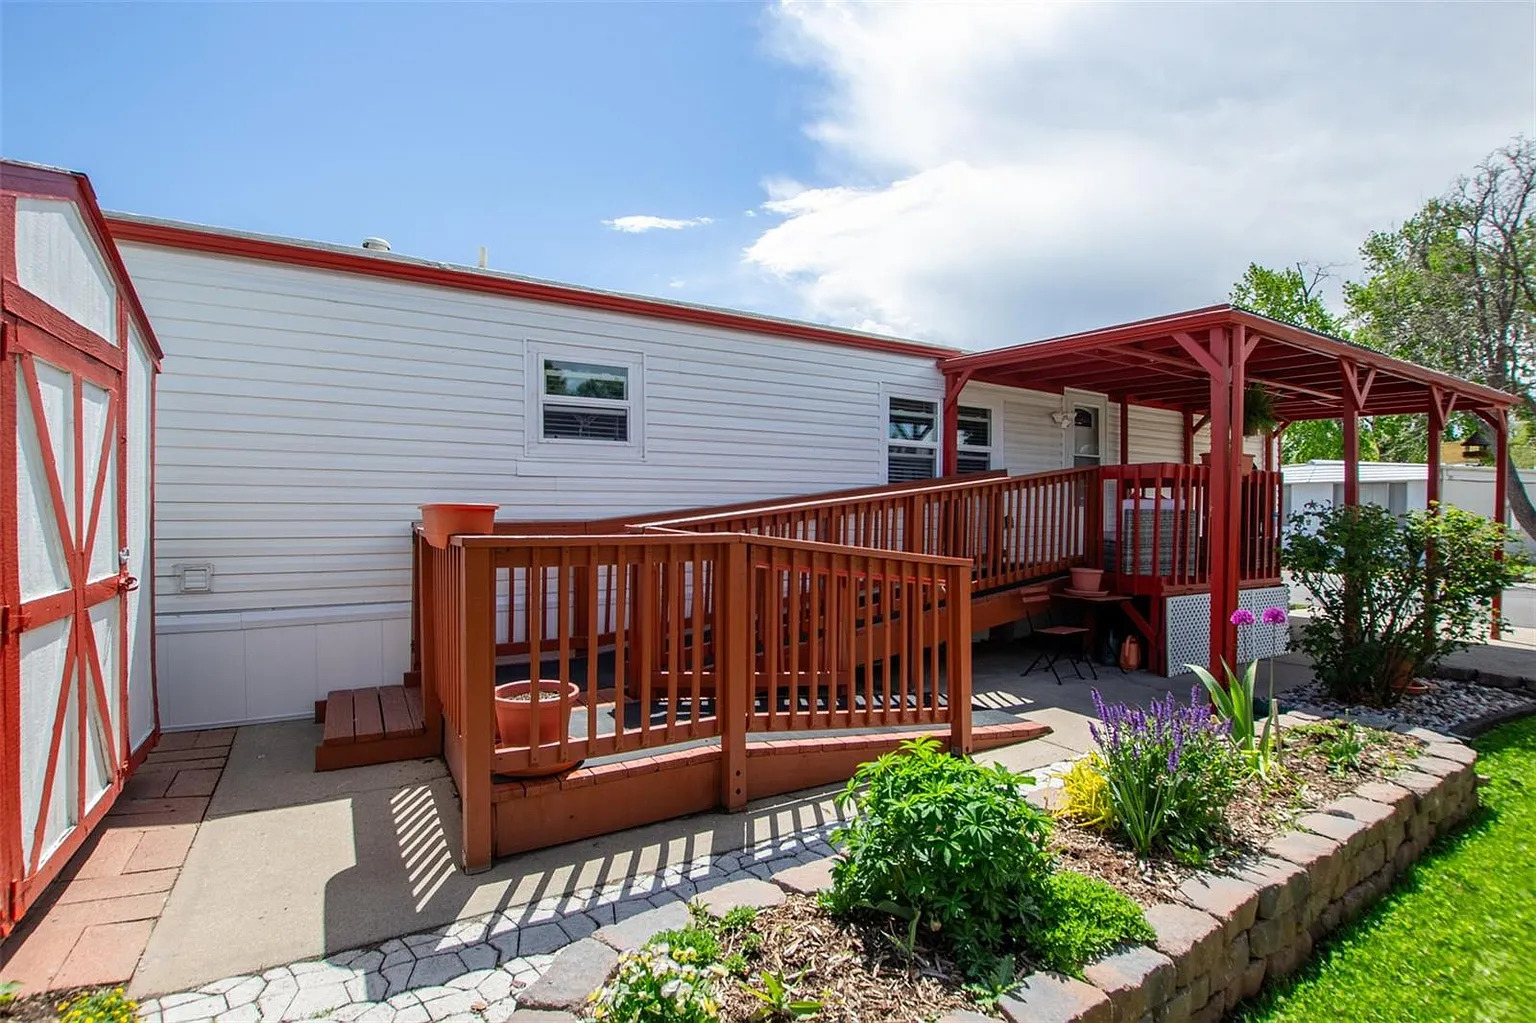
1063 420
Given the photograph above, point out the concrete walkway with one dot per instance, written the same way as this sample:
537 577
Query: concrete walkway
301 865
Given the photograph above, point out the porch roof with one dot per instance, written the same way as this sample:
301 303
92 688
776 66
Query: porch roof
1150 362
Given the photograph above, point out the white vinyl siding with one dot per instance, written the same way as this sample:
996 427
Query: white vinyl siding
303 416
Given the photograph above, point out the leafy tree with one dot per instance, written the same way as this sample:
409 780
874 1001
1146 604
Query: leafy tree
1294 295
1454 288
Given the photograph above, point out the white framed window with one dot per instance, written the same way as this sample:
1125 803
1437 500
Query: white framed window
977 440
585 402
912 439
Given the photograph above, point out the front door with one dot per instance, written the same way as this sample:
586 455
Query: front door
65 675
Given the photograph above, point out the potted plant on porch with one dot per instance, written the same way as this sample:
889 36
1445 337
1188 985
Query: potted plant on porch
1258 417
516 705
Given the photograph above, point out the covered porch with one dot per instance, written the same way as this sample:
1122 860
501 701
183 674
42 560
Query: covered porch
1216 526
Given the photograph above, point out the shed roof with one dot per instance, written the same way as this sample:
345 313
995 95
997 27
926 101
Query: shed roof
1330 470
1146 363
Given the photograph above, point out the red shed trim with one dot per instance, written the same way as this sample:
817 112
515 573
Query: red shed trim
396 267
32 179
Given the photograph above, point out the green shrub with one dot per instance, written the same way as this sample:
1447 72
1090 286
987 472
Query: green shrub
1084 918
1170 771
1385 610
947 844
694 945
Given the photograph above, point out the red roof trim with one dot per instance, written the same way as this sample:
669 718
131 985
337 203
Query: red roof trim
178 236
48 183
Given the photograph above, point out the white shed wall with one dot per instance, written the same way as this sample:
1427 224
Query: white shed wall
303 416
57 260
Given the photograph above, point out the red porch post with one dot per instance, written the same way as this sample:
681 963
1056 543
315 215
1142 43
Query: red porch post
1125 430
1351 437
1435 432
1500 423
1222 357
1189 437
949 447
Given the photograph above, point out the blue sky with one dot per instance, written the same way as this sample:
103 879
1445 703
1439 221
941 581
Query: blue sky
440 127
976 174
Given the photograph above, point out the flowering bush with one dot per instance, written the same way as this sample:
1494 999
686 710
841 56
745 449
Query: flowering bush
1390 598
1234 700
1170 771
653 987
101 1007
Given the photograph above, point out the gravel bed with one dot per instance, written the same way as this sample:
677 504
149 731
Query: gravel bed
1444 707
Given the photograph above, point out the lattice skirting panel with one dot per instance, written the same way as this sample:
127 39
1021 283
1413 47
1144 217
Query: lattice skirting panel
1188 627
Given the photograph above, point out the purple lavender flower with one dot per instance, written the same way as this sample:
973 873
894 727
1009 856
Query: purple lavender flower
1275 616
1242 616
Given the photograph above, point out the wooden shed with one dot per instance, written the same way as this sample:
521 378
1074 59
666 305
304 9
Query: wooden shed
77 679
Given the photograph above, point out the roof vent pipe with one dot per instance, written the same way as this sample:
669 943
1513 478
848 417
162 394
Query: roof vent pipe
376 244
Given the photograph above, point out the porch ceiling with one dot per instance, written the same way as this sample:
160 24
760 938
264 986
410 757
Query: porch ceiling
1145 363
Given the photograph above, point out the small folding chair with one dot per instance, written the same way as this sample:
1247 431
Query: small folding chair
1059 641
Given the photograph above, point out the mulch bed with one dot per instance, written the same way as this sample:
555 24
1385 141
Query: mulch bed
1259 810
855 969
860 973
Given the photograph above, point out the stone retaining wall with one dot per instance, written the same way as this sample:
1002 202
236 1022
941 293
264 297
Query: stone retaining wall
1232 932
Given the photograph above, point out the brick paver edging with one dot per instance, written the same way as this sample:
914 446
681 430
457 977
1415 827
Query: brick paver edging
1226 936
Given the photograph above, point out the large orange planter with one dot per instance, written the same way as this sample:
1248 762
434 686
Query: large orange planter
440 521
514 714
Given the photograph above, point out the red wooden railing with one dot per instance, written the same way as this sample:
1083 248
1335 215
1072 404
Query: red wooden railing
1012 529
1156 526
672 638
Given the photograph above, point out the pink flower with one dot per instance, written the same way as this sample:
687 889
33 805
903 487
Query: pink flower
1275 616
1242 616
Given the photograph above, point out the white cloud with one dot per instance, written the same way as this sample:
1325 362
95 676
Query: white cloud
641 224
996 173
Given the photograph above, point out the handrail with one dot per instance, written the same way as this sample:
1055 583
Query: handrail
672 638
835 499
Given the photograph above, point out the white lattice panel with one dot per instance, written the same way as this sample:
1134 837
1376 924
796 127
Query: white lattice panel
1187 626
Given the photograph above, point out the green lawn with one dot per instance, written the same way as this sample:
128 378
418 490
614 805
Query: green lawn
1455 940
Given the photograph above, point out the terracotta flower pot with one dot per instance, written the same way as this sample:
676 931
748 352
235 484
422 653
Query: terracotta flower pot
1205 460
1087 580
515 709
440 521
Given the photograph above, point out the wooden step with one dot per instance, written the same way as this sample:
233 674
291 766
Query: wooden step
375 725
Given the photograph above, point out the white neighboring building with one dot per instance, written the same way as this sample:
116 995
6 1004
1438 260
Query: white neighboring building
1400 487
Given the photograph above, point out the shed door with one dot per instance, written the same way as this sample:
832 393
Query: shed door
64 644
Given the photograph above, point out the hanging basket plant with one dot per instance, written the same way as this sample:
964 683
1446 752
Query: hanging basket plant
1258 410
